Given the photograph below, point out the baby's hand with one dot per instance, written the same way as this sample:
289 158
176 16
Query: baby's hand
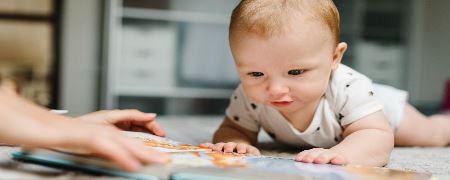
320 156
229 147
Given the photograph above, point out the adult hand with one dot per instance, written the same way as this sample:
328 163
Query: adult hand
24 123
105 141
129 120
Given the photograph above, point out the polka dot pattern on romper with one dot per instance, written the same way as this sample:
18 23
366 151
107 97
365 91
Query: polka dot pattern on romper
341 116
253 105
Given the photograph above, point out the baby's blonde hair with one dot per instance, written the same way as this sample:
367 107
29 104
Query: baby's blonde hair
273 17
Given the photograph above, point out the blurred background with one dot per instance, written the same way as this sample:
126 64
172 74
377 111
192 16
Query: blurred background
172 56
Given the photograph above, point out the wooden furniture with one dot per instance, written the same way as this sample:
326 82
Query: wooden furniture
29 47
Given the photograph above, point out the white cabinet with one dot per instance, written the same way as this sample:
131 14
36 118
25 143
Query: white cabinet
168 56
147 59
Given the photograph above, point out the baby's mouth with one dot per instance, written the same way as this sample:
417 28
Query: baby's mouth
281 103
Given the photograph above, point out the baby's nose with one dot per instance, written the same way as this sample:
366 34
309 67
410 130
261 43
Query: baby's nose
277 89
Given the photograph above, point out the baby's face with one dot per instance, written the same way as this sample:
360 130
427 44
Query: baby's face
288 72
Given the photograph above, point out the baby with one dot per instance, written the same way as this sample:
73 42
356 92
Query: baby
293 85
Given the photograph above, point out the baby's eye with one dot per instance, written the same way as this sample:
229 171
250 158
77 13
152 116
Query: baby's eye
296 72
255 74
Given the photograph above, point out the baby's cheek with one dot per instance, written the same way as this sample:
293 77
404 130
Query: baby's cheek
256 95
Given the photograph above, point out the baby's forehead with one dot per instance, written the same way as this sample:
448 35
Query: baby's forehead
250 50
268 18
304 30
270 27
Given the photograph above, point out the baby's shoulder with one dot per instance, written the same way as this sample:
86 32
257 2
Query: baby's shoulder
350 95
346 82
344 75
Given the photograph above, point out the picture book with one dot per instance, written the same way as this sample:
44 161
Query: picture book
163 144
193 162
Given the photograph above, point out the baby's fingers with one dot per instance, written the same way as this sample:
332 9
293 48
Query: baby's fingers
241 148
308 156
206 145
325 157
218 146
338 160
229 147
252 150
300 156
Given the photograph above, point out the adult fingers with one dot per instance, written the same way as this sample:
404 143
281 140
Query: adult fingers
115 116
124 125
111 150
143 153
96 117
137 129
155 128
122 118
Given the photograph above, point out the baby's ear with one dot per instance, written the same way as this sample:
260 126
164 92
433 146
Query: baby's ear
338 54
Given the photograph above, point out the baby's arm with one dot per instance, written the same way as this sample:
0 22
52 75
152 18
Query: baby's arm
368 141
231 132
236 137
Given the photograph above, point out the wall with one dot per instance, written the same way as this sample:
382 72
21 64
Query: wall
433 63
80 55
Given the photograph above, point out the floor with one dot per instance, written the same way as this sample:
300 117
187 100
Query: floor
196 130
435 161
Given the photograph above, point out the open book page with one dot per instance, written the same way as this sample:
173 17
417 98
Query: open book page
154 142
189 158
194 161
267 167
164 144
